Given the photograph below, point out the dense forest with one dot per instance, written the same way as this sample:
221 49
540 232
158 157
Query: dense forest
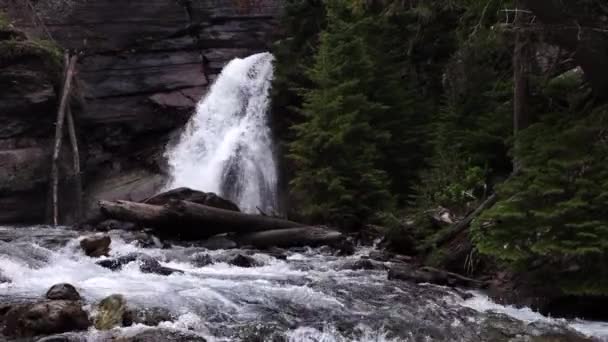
474 131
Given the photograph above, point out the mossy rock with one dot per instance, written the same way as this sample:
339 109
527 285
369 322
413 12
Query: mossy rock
111 311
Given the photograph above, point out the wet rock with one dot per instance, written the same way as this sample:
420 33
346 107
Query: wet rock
218 242
45 318
201 260
380 255
241 260
147 264
345 248
147 316
362 264
110 312
108 225
67 337
441 217
63 291
4 279
278 253
161 335
430 275
96 245
206 198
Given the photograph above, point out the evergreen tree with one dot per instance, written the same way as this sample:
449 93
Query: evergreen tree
336 147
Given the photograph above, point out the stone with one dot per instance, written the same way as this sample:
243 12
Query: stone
67 337
147 316
96 245
63 291
241 260
201 260
218 242
278 253
147 264
108 225
206 198
110 312
4 279
161 335
45 318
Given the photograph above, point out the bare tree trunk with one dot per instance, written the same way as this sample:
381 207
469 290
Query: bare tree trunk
521 68
190 220
291 237
76 164
59 137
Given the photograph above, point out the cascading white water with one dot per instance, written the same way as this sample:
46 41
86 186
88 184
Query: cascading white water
226 147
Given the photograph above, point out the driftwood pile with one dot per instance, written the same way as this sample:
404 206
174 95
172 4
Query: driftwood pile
178 216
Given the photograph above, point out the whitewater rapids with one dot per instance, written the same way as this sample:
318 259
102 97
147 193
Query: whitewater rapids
312 295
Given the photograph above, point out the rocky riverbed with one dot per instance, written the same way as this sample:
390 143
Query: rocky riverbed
300 294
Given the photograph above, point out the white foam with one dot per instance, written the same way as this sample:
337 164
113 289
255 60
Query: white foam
226 147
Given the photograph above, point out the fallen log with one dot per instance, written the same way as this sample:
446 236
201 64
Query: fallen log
291 237
188 220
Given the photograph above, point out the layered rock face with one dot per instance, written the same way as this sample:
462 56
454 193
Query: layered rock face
143 67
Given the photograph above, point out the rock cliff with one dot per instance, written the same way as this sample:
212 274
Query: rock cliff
144 66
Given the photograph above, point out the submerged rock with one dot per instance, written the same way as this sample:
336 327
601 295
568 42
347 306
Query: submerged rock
67 337
218 242
201 260
363 264
241 260
4 279
63 291
110 312
147 264
147 316
44 318
96 245
161 335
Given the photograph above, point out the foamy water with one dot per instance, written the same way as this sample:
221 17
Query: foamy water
310 296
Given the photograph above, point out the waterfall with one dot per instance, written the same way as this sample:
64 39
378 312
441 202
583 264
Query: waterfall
226 147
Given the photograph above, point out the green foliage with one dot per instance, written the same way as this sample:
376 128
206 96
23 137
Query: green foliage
16 50
4 21
470 134
302 22
556 207
336 147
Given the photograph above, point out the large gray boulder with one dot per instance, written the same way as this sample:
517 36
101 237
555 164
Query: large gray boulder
45 318
206 198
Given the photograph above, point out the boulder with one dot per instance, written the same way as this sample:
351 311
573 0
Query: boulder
45 318
147 264
206 198
161 335
201 260
108 225
96 245
63 292
241 260
363 264
147 316
110 312
431 275
218 242
67 337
